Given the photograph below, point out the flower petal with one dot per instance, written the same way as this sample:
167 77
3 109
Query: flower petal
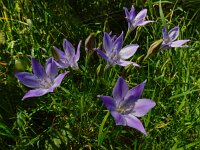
112 36
51 68
77 56
128 51
74 64
69 49
126 63
179 43
135 123
103 55
120 90
28 79
107 42
164 46
173 33
58 80
140 17
108 102
60 54
126 12
135 93
165 34
132 13
38 69
144 23
35 93
61 64
142 106
119 119
118 43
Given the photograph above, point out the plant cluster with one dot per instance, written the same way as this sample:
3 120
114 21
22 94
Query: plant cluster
125 105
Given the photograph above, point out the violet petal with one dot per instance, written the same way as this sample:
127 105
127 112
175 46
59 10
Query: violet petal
135 123
126 12
173 33
119 119
118 43
74 64
38 69
164 33
120 90
58 79
140 17
28 79
103 55
69 49
108 102
135 93
142 106
77 56
179 43
132 13
128 51
144 23
51 68
61 64
124 63
107 42
61 54
35 93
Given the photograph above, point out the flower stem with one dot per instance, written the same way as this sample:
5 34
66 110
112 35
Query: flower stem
127 34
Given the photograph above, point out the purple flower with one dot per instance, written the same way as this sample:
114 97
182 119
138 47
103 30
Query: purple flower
42 80
68 57
125 105
170 37
135 20
115 54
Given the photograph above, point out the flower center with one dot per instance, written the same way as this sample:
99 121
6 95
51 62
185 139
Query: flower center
113 57
46 83
168 40
124 108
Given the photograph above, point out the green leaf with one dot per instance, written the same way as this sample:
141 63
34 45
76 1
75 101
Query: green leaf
162 15
5 130
101 135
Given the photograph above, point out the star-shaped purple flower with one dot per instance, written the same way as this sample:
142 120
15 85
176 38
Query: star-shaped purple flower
135 20
68 57
42 80
115 54
125 105
170 37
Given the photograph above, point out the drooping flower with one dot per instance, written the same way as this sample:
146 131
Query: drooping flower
136 20
170 37
115 54
125 105
68 57
42 80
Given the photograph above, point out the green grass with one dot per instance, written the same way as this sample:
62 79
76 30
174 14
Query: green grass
73 117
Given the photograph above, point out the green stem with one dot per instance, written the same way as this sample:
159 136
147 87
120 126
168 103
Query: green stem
101 135
127 34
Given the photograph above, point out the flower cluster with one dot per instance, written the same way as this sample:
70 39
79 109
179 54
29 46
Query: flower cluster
125 105
44 80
